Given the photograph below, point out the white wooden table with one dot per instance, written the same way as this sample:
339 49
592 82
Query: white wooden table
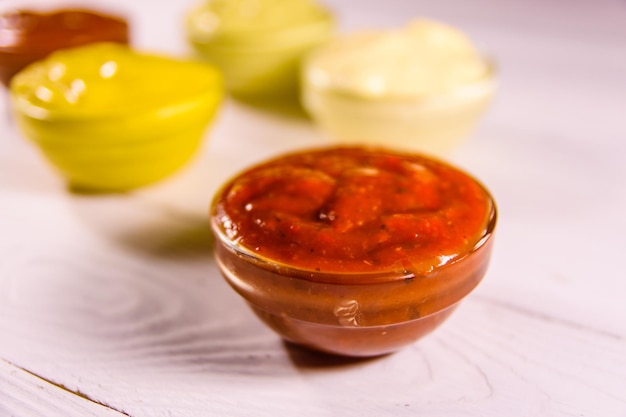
112 305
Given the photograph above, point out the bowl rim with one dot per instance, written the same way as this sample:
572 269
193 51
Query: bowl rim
212 90
199 99
340 277
252 35
117 31
480 87
351 278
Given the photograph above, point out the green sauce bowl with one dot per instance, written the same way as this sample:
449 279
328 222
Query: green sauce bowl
258 45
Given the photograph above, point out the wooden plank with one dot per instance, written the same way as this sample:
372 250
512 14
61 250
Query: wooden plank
155 334
23 394
486 359
117 297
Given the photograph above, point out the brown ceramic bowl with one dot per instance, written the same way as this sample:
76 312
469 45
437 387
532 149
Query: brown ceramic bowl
337 297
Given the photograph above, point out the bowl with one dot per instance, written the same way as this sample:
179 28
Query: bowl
27 36
353 251
421 88
103 115
258 45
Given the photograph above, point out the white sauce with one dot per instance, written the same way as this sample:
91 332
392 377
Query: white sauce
423 58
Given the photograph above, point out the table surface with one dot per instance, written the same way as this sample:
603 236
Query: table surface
111 305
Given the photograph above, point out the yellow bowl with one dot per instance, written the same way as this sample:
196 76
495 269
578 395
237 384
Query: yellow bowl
111 119
259 50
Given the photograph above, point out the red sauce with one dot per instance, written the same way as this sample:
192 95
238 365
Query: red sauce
355 210
28 36
353 251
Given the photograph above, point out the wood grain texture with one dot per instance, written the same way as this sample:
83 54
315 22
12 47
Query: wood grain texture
117 297
26 395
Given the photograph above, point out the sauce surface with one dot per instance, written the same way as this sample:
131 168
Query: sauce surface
251 20
27 36
354 210
108 79
421 59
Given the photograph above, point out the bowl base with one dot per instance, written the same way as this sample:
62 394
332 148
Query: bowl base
352 341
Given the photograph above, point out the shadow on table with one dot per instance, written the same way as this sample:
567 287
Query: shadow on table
305 358
287 106
183 241
152 230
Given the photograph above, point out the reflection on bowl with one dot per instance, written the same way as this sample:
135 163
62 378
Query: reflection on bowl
353 251
111 119
28 36
258 45
421 88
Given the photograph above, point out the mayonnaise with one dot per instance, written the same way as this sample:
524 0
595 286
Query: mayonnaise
421 59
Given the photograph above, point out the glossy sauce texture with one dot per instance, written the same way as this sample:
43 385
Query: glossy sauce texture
237 22
108 79
353 251
258 44
113 119
28 36
355 210
423 59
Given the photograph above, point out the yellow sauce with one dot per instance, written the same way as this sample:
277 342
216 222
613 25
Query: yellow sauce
112 119
107 80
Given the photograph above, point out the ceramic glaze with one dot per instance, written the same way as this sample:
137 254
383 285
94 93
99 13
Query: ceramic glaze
354 251
258 45
28 36
418 88
112 118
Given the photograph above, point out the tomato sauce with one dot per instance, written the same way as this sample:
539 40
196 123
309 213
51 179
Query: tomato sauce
28 36
355 210
353 251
